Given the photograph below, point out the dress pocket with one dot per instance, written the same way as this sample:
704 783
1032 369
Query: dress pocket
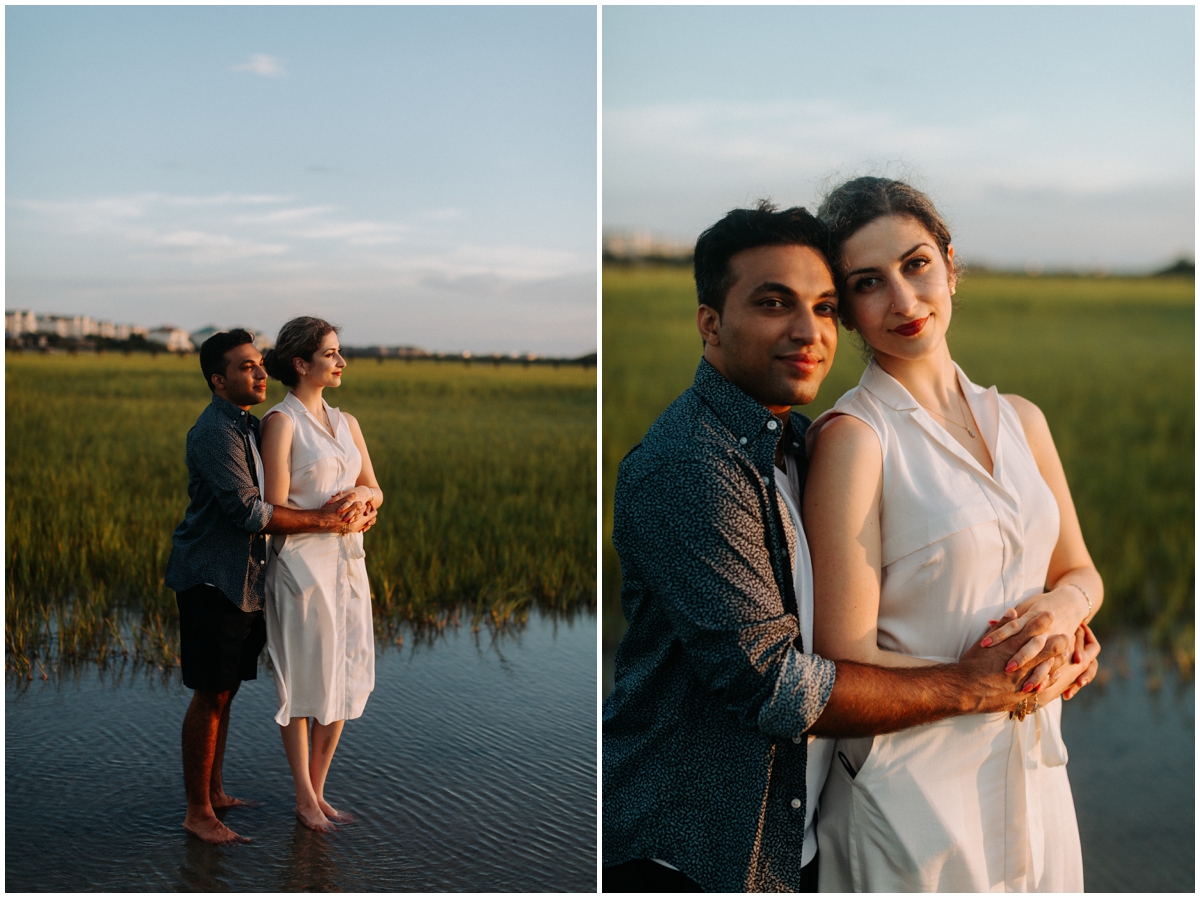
915 535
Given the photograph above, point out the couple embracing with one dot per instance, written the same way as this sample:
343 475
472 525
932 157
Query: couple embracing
307 482
847 638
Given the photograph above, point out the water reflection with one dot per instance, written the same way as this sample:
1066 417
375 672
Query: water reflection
473 768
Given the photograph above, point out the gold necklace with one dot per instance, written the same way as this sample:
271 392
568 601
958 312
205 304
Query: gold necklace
970 432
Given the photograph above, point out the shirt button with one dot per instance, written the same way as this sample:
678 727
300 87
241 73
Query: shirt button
772 424
796 803
742 440
798 739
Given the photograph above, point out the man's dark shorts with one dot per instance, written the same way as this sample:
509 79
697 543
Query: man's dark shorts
219 642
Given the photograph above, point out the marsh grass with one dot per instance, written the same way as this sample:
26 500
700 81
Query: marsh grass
1110 361
488 472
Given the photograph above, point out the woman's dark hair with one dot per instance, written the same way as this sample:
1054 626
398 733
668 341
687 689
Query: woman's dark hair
857 203
744 229
300 338
212 352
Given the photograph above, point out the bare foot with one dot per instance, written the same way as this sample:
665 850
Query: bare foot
317 822
213 831
333 814
223 801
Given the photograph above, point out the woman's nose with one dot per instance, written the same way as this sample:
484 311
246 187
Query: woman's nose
904 298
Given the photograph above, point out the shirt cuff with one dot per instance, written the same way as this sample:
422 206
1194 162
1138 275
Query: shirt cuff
260 516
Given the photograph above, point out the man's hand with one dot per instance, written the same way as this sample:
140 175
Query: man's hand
998 680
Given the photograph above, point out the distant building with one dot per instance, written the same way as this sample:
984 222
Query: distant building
198 337
20 322
261 341
175 339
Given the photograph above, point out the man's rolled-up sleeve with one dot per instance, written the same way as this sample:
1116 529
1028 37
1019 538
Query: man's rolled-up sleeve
691 532
220 460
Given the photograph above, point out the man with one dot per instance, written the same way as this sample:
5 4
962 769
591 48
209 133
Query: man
217 567
705 735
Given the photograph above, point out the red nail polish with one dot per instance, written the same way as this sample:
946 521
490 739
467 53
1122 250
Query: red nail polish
986 642
1010 667
1026 687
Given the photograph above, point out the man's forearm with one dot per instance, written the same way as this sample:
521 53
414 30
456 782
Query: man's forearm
867 700
295 520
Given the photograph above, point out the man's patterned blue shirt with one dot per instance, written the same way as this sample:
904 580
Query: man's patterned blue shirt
703 734
220 539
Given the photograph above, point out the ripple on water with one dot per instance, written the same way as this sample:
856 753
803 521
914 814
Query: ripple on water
473 768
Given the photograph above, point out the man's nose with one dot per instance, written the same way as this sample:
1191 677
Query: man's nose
803 328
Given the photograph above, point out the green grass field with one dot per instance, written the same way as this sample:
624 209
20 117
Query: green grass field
1109 360
488 474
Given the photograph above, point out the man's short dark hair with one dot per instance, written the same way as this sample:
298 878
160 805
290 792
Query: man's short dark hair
212 352
744 229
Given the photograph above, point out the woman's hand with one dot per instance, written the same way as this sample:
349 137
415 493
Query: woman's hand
1087 647
361 495
1079 668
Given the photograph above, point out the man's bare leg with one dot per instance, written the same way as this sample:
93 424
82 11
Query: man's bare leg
324 742
295 744
201 726
216 789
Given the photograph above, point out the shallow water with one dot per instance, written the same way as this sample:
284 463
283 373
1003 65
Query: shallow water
1131 738
473 768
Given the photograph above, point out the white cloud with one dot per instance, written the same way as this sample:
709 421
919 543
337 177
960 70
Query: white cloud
261 64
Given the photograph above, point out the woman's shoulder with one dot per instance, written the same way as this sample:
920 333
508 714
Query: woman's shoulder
1032 420
280 415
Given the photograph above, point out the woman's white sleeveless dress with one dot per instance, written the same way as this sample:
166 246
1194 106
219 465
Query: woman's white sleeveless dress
975 803
318 608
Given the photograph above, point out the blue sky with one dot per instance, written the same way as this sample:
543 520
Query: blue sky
422 175
1048 136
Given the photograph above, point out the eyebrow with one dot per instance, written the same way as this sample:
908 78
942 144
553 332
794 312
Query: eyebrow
903 256
776 287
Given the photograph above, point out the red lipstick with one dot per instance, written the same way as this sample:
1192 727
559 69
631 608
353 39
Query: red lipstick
912 328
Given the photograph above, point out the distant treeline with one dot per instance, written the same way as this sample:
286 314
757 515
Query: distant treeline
51 343
623 256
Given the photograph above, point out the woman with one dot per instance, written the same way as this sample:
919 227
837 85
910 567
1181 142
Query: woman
934 508
318 609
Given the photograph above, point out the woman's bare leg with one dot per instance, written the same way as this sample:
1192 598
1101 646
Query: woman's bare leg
324 742
295 744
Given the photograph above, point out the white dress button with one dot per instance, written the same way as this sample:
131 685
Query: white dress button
796 803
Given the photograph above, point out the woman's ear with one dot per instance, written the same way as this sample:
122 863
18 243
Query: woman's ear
951 279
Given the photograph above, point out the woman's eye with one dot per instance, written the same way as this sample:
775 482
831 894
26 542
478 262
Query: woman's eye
917 263
863 284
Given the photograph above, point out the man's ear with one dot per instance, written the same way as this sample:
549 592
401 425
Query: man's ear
218 381
708 322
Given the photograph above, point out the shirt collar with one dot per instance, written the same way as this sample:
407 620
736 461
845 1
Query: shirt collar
224 407
734 407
